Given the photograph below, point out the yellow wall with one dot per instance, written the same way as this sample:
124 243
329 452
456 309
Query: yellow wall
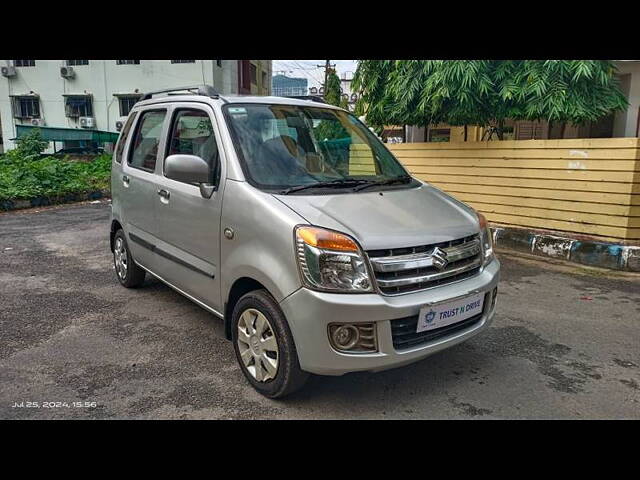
589 186
361 160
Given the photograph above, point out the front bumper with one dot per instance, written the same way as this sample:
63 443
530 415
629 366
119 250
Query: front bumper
309 313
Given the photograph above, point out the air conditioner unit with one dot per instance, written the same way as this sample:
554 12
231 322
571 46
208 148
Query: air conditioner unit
37 122
119 125
8 71
87 122
67 72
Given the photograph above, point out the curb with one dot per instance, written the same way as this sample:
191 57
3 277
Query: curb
8 205
608 255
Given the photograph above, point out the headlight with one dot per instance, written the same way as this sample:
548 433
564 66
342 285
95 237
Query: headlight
331 261
486 239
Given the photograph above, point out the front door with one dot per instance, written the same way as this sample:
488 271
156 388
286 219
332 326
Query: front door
189 244
139 185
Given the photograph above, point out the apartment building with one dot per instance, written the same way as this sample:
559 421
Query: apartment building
283 86
97 94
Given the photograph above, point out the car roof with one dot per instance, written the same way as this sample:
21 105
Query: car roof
237 99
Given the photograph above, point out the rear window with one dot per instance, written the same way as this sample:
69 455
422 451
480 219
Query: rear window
123 137
144 150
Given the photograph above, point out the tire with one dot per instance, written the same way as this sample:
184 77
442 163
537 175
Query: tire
128 272
251 349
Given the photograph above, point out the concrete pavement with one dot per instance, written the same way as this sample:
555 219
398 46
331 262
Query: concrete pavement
564 344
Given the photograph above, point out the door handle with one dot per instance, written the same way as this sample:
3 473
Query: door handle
164 194
125 180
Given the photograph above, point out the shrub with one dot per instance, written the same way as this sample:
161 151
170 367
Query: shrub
29 146
22 176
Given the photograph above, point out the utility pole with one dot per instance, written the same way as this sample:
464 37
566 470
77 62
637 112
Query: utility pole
326 67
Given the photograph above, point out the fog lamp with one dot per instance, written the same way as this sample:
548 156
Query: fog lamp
353 337
345 336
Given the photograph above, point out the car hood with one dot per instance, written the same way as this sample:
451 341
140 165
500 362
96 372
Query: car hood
390 218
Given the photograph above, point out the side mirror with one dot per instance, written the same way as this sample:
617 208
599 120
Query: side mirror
189 169
186 168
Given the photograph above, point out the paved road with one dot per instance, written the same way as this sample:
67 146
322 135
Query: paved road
564 344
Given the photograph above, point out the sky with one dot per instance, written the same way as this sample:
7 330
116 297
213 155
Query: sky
309 70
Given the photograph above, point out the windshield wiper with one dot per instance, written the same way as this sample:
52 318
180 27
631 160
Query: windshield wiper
391 181
337 183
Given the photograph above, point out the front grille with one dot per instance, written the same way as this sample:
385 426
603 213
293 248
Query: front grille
404 335
404 270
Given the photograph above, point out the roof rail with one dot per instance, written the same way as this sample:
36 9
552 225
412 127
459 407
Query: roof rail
312 98
204 90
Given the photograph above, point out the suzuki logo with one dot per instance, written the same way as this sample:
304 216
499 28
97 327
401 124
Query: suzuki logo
439 258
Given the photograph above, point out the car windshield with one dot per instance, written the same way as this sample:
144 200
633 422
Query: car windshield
293 148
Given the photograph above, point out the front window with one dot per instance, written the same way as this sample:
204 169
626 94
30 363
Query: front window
292 149
192 134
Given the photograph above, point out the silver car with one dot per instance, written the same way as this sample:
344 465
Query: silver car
292 222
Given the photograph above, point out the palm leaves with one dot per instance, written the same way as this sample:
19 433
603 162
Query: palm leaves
486 92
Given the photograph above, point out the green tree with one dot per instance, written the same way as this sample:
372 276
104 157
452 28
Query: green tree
332 93
486 92
332 129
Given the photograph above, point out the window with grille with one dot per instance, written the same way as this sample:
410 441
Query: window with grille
78 106
75 63
254 74
26 107
127 62
183 61
24 63
126 103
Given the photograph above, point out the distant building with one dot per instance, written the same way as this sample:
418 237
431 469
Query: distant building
98 94
283 86
345 91
316 91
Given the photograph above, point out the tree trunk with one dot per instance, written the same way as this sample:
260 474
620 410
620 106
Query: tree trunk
562 128
465 133
500 130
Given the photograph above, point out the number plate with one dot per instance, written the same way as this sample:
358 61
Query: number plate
443 314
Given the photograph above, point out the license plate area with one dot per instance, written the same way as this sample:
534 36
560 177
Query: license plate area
444 314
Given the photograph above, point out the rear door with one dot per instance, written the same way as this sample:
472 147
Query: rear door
189 244
138 179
